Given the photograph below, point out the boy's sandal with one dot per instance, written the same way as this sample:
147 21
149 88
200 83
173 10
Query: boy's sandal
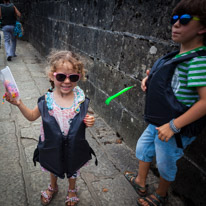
160 201
48 198
130 176
74 200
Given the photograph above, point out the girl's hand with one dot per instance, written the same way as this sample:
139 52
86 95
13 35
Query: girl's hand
89 120
30 114
143 83
11 100
164 132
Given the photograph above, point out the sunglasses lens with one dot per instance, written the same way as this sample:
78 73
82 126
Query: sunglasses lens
185 19
174 19
74 77
61 77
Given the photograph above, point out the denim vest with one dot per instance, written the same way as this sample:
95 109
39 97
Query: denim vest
61 154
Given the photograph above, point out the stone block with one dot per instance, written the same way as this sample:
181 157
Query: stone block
137 56
75 11
88 39
108 47
104 14
193 151
114 194
132 130
139 22
188 177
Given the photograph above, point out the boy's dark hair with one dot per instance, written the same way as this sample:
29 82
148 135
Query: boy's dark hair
192 7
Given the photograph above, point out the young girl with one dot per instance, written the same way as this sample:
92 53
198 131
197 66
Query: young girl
62 148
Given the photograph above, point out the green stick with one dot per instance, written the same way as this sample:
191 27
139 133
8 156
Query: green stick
108 100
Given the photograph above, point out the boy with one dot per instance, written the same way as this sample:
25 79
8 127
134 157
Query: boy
164 137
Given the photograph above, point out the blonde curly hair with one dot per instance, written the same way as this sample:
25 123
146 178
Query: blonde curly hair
57 58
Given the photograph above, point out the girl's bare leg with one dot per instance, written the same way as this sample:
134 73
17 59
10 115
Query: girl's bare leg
72 191
53 184
53 180
72 183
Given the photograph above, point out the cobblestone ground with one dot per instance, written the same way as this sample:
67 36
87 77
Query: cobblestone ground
21 182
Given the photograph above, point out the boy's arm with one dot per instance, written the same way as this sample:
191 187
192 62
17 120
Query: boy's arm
197 111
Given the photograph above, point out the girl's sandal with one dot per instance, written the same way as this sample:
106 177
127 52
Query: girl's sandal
157 201
71 200
48 198
130 176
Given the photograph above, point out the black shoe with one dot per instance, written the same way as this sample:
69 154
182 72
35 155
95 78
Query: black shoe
9 58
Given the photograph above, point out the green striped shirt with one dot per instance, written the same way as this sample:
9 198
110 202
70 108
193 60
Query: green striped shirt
187 76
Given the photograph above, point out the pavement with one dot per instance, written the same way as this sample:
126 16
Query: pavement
21 182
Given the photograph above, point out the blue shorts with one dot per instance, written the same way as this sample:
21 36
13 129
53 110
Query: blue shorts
167 153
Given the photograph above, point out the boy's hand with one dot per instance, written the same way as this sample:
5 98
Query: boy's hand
12 100
143 83
164 132
89 120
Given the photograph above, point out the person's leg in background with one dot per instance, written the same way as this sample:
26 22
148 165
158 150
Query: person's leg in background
9 42
13 43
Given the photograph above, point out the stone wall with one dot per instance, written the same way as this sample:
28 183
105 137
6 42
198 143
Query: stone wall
118 40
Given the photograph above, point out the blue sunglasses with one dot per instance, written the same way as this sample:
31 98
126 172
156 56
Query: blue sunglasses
184 19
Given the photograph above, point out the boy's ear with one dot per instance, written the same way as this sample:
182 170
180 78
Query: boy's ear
202 31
